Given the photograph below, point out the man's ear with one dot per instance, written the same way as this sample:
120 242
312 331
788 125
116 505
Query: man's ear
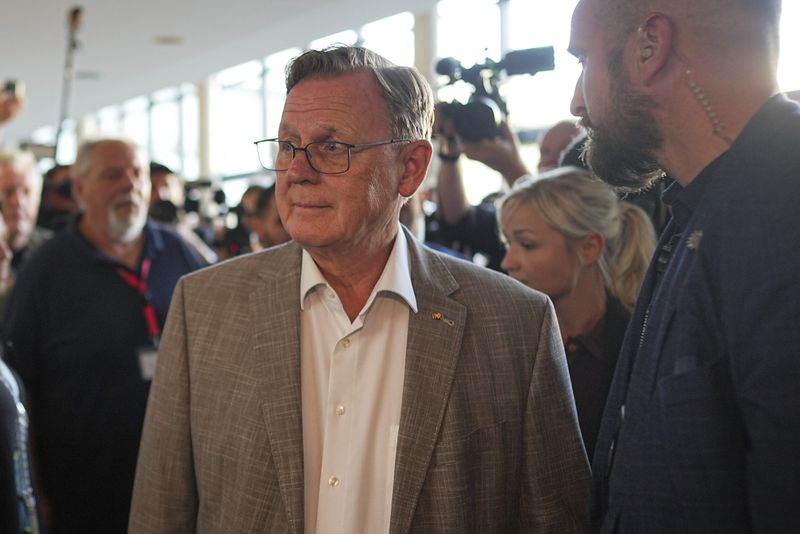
653 46
416 156
77 191
591 248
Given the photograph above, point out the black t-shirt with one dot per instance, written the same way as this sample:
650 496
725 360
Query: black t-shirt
476 233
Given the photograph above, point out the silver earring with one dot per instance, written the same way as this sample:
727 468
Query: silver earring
647 52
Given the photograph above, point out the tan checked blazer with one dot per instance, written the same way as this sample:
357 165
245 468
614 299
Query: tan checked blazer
488 440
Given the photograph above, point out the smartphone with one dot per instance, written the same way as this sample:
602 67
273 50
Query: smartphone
14 88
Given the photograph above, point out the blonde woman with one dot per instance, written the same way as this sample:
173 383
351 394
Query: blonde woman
568 236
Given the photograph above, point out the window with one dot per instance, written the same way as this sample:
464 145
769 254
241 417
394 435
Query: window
136 121
276 89
109 120
468 30
392 37
190 132
165 122
541 100
237 118
347 37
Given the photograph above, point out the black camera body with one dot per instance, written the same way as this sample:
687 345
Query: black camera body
479 118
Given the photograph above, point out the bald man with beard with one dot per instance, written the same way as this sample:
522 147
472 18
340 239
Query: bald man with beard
83 323
702 425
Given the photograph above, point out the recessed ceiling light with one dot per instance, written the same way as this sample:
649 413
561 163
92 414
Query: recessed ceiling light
168 40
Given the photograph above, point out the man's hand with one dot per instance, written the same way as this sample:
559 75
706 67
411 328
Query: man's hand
444 129
10 106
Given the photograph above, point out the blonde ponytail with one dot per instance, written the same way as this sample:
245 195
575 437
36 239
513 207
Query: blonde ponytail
576 203
636 242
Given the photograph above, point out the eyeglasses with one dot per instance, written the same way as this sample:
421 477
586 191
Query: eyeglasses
325 157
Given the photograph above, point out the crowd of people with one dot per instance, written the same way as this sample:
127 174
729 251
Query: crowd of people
343 360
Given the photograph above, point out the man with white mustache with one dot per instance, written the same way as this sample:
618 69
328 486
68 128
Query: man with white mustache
83 324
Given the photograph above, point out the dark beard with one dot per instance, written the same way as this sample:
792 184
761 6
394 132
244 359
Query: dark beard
622 153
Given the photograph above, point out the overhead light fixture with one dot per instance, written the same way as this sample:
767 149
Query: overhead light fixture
87 75
168 40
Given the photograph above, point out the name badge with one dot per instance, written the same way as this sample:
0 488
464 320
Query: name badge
147 362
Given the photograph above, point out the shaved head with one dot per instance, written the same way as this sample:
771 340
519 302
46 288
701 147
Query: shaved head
720 27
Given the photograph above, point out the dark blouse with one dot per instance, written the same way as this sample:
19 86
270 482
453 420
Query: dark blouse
591 359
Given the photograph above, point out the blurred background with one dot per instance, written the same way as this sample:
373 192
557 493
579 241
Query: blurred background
195 82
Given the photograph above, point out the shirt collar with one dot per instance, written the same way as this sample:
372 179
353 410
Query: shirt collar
592 341
684 200
395 279
152 247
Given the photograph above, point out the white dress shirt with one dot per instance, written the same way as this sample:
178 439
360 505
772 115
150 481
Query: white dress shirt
352 387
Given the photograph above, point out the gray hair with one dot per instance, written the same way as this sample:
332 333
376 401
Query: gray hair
23 162
84 158
407 94
575 203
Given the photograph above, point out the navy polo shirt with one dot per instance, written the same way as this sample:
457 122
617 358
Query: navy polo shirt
74 325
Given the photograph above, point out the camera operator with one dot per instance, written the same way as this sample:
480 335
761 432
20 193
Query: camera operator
471 229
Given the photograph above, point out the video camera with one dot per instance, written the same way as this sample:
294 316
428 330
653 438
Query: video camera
480 116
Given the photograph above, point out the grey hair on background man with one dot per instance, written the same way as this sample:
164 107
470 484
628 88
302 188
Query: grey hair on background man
83 160
23 162
407 94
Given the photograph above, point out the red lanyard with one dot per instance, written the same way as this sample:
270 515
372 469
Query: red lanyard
139 283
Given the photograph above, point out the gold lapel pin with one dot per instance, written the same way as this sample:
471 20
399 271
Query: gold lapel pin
439 317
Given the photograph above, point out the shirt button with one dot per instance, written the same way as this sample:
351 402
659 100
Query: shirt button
346 343
330 294
333 482
339 410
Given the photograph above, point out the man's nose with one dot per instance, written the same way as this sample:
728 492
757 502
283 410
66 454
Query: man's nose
132 180
300 169
578 105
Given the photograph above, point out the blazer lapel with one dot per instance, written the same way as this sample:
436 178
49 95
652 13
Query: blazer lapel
434 343
275 312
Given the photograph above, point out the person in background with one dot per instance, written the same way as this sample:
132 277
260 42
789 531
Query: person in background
649 198
167 199
701 430
241 239
57 205
568 236
353 380
20 191
19 512
82 326
473 229
260 213
412 216
554 142
458 225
